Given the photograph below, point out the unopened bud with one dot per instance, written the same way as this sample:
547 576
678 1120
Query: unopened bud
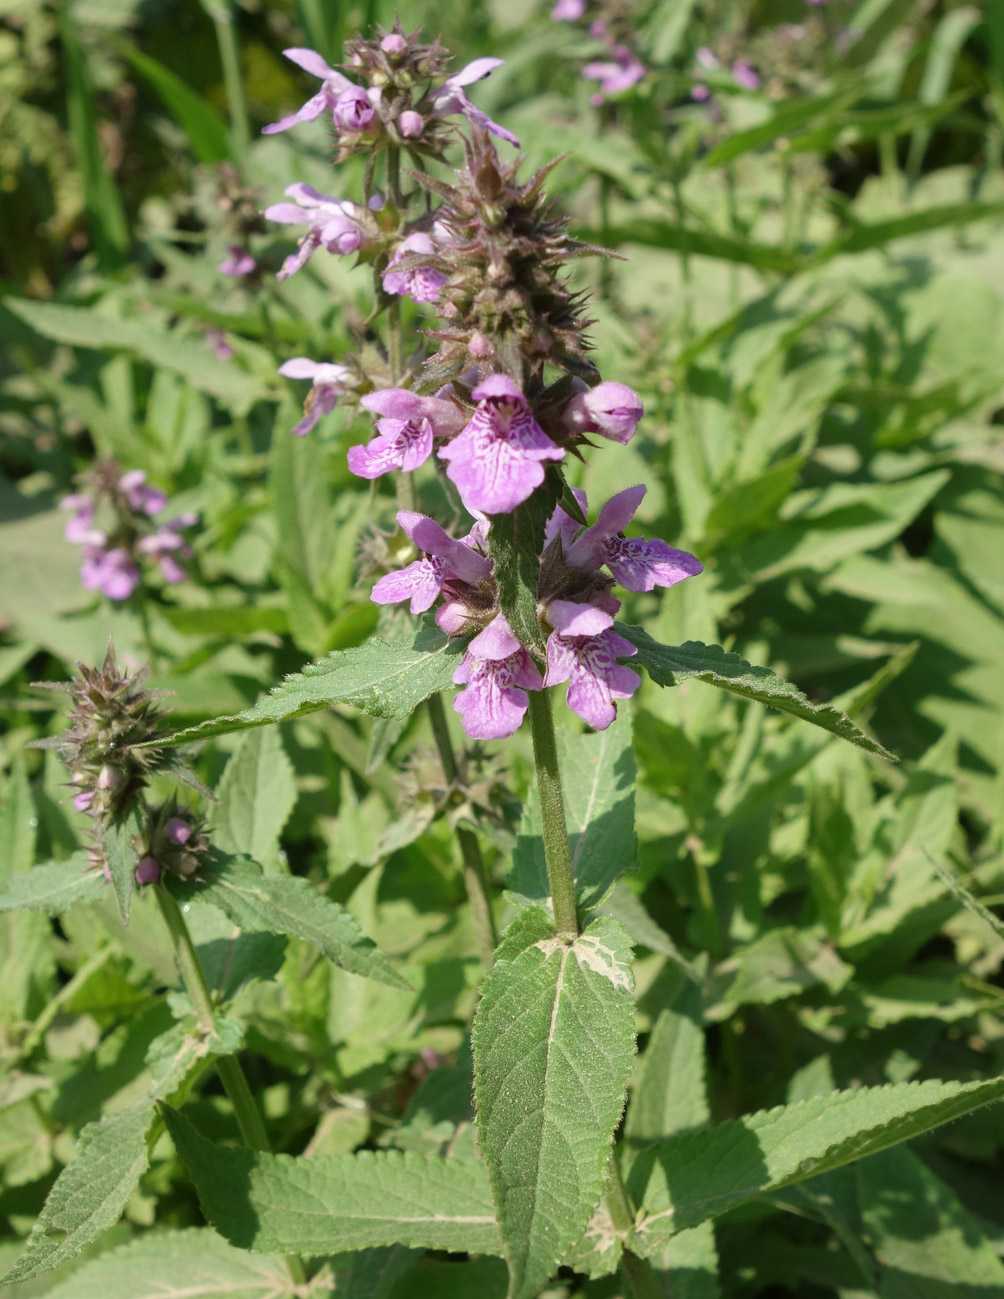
410 124
394 45
148 871
177 831
481 347
109 778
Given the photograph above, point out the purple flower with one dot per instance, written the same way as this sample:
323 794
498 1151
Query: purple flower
216 341
162 546
610 409
237 262
80 527
410 124
110 571
405 434
496 460
583 650
563 525
148 871
568 11
177 831
139 494
451 98
330 223
745 75
328 384
621 73
353 111
637 564
333 84
706 58
497 672
700 92
83 801
421 283
445 560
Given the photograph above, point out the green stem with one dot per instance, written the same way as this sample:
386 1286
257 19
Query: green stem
475 880
642 1280
235 1084
552 813
226 38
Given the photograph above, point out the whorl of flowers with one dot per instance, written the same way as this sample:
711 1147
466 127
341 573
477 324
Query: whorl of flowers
113 524
506 398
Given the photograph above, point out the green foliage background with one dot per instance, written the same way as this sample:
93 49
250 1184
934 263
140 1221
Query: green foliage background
811 306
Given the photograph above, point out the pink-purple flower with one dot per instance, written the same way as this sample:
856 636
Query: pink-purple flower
610 409
112 572
619 73
497 672
445 560
637 564
583 650
336 92
496 461
421 283
568 11
745 75
328 383
167 545
451 98
331 223
406 431
237 262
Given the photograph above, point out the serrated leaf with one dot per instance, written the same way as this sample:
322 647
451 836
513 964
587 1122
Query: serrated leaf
256 792
553 1046
288 904
120 844
382 679
193 1264
321 1204
598 774
668 665
688 1178
53 887
89 1193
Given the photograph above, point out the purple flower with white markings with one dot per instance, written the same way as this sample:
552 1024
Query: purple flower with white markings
583 650
406 432
497 672
622 71
637 564
328 383
496 461
421 283
451 98
333 87
610 409
445 561
331 223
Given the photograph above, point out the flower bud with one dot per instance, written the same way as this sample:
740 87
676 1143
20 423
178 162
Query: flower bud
610 409
410 124
393 44
109 778
177 830
148 871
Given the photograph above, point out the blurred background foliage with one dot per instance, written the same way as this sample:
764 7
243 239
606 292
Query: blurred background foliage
811 306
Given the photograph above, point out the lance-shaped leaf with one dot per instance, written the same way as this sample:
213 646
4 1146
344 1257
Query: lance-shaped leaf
690 1177
380 678
322 1204
52 887
668 665
193 1264
120 843
553 1045
288 904
256 792
598 773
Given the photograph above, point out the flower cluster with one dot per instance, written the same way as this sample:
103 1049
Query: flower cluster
502 401
113 525
612 23
174 844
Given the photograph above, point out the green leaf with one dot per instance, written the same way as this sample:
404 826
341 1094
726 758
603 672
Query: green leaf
653 233
796 113
781 963
121 850
288 904
52 887
930 1247
240 620
691 1177
321 1204
89 1194
668 665
598 774
382 679
195 1264
17 823
189 357
553 1046
205 128
256 792
516 541
669 1093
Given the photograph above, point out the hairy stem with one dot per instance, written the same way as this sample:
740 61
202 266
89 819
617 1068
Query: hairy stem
552 814
235 1084
475 880
642 1280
